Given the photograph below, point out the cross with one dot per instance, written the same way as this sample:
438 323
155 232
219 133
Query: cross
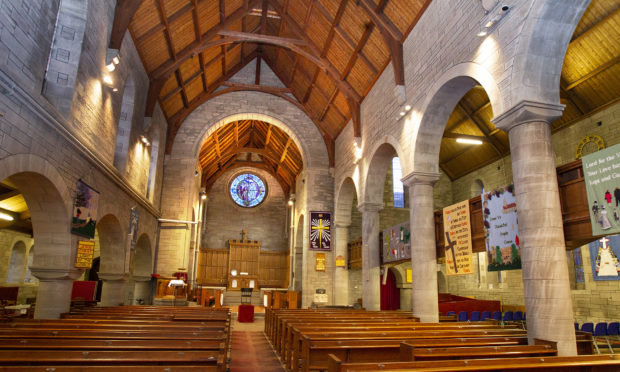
320 227
604 241
244 233
450 244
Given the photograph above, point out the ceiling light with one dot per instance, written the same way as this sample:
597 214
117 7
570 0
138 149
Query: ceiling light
6 217
107 79
116 60
110 67
408 107
469 141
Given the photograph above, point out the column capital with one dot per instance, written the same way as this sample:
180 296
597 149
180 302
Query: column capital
422 178
46 273
528 111
365 207
112 276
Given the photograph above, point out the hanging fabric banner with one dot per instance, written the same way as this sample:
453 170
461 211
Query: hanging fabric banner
601 173
85 211
604 258
457 239
501 231
320 231
396 245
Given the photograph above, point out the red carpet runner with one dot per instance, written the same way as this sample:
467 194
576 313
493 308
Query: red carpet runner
251 352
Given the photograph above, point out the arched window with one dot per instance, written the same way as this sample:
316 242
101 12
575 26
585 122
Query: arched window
150 186
29 278
18 262
399 190
124 126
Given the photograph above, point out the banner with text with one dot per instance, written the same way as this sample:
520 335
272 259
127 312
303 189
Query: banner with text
501 231
457 240
601 172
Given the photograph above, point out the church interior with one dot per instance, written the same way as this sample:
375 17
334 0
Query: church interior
333 185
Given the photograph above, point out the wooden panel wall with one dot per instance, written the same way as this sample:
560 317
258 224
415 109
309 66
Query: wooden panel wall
355 254
274 267
212 267
244 258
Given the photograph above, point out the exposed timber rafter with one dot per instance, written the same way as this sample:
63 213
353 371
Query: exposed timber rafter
393 38
123 13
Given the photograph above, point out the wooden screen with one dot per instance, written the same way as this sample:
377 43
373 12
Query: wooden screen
244 256
355 254
274 269
212 267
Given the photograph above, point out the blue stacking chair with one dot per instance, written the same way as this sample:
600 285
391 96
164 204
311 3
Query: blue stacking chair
497 315
600 331
474 316
486 315
462 316
587 327
613 330
518 316
451 313
508 316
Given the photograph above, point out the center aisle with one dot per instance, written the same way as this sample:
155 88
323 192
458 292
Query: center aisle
252 352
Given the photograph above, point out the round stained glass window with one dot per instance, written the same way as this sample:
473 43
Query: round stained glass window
248 190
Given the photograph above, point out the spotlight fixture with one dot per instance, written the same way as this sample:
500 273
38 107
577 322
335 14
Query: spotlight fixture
408 107
290 203
110 67
483 32
402 113
115 90
469 141
496 16
107 79
116 60
203 196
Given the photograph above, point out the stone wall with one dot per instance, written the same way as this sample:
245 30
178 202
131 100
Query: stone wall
25 281
225 219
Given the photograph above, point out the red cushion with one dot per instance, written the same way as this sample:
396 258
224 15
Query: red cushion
246 314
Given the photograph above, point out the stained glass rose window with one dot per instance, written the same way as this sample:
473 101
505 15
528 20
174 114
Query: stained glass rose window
248 190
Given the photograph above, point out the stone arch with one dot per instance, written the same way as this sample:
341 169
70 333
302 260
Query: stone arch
299 248
123 133
17 263
142 264
476 187
344 201
111 243
540 50
399 274
50 205
221 110
28 277
446 92
376 172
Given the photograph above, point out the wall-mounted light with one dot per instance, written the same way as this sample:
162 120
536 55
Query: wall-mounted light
203 196
145 141
116 60
290 203
496 16
469 141
110 67
6 217
115 90
108 80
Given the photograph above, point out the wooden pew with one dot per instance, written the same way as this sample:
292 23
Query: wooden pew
109 344
316 357
116 368
411 352
590 363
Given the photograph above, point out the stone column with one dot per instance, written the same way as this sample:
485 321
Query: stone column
113 289
54 293
546 287
424 298
371 264
143 290
341 274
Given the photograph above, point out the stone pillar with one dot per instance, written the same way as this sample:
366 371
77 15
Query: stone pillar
113 289
371 264
546 287
341 274
54 293
143 290
424 298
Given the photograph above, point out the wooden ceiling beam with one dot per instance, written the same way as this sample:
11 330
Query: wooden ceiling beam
268 135
329 68
236 130
208 183
593 73
573 98
357 52
393 39
9 194
587 31
482 127
123 13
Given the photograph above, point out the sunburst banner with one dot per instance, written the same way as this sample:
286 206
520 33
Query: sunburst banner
320 231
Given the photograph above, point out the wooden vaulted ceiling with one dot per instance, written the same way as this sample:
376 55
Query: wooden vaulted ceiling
13 204
328 53
590 82
251 143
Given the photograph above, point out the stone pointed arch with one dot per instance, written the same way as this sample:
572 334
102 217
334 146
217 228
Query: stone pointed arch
142 264
344 201
112 244
380 162
445 93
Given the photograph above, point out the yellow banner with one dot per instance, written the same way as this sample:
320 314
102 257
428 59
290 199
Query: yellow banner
84 256
457 239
